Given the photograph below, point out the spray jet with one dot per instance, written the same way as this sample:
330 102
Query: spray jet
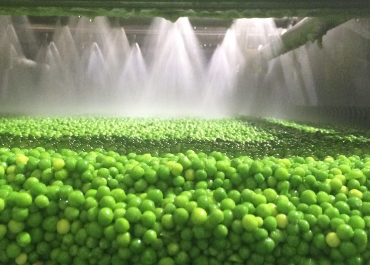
10 59
11 55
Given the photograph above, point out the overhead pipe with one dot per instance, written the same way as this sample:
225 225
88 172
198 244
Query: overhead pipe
309 29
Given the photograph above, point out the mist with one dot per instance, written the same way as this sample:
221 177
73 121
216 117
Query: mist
89 67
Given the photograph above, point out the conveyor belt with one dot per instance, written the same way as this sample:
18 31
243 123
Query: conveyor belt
174 9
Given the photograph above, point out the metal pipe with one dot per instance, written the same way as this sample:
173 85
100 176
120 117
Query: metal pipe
308 29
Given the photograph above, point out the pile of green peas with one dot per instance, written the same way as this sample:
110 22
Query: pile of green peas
102 207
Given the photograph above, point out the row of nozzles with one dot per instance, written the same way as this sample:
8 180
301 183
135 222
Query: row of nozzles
168 72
